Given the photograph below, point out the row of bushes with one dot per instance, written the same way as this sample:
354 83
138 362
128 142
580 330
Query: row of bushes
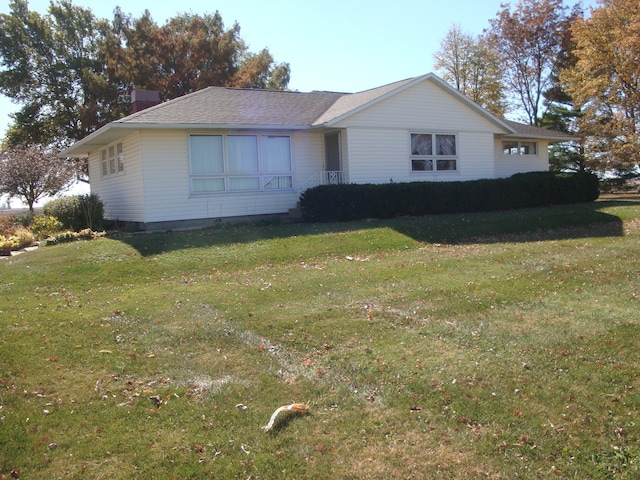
358 201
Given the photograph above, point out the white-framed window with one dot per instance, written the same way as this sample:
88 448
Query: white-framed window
239 162
112 160
434 152
517 147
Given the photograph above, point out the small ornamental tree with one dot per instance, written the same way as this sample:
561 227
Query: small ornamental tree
32 172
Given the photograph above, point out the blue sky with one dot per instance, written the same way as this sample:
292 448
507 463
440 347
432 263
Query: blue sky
336 45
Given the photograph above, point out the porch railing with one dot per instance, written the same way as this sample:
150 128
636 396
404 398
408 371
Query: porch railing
333 177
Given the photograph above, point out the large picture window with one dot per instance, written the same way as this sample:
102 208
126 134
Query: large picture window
433 152
227 163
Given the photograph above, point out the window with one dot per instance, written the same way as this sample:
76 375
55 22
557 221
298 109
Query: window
433 152
228 163
515 147
112 159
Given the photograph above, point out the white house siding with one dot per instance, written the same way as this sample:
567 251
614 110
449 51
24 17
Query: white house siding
379 136
382 156
121 194
308 155
167 194
165 175
507 165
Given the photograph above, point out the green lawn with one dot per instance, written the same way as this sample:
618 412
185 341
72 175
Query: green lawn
500 345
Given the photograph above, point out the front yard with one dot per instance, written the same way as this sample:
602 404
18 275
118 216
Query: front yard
499 345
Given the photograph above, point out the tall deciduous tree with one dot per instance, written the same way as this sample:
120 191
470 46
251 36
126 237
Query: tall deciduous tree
562 112
49 65
470 65
529 40
606 80
69 69
188 53
32 172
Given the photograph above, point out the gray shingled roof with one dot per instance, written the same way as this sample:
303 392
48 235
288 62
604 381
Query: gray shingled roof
237 107
523 130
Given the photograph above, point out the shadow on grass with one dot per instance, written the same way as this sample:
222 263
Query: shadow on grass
560 222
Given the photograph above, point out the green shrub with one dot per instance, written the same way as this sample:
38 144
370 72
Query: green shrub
353 202
69 236
62 237
25 220
23 237
77 212
45 225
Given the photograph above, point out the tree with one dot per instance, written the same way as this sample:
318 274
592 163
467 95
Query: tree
33 172
50 66
188 53
260 71
529 41
606 81
70 70
471 66
562 113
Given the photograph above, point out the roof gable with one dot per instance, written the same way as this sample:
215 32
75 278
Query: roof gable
351 104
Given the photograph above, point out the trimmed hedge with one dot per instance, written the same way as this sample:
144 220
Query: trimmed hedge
77 212
328 203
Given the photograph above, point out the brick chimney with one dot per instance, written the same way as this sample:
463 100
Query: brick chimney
141 99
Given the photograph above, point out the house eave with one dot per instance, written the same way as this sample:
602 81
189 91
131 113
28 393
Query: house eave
550 138
115 130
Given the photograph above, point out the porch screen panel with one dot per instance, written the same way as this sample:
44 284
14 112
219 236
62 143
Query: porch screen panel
276 154
206 154
242 152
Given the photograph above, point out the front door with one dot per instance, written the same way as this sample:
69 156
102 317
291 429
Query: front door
332 161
